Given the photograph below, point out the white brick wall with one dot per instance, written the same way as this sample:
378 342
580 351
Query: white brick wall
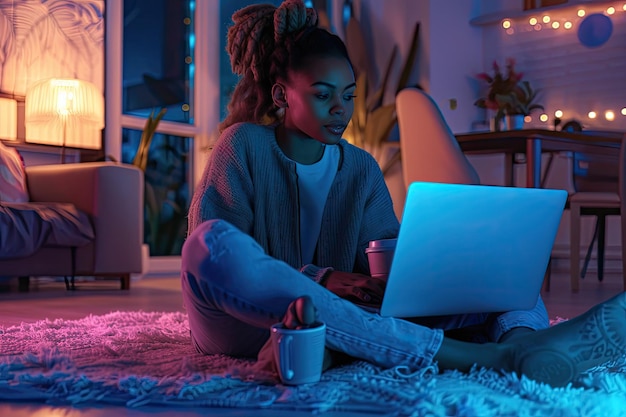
572 77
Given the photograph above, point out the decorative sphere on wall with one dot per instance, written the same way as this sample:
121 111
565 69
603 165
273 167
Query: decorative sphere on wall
595 30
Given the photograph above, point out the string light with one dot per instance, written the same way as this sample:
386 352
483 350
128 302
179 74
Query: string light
609 115
556 21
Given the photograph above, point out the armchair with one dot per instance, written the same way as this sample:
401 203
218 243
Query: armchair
111 195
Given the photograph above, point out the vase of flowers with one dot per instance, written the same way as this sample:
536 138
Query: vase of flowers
496 121
520 103
507 97
514 121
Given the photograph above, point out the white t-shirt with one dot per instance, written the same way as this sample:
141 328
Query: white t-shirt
314 183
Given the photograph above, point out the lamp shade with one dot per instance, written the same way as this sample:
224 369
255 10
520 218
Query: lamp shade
8 119
66 112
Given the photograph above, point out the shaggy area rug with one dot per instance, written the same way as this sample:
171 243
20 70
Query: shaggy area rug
140 359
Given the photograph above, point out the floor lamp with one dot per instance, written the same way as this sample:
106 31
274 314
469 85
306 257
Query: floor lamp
65 112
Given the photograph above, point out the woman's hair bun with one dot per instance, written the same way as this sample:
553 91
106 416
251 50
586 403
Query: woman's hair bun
292 16
251 32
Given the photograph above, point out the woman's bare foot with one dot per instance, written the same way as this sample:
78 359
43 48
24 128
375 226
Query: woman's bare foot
559 354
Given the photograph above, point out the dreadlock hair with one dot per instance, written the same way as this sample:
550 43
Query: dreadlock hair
264 44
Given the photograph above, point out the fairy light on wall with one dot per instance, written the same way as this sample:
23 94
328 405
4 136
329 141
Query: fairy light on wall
555 20
609 115
567 24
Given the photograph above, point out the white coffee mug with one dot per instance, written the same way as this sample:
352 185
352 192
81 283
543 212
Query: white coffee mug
299 353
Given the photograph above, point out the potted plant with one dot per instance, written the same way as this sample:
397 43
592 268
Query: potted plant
520 103
373 120
163 216
507 95
152 122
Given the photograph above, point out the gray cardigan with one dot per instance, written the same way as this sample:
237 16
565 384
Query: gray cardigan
249 182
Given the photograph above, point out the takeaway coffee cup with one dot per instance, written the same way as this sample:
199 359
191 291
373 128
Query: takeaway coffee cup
380 254
299 353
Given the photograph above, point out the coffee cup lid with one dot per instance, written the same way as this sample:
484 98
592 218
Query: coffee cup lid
383 244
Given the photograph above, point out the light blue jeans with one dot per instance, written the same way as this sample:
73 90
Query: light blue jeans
233 292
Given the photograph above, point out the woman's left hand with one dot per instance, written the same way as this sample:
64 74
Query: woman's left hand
358 288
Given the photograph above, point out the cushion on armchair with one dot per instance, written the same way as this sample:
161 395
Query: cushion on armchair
26 227
12 176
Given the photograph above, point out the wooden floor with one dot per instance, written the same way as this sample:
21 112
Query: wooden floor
162 294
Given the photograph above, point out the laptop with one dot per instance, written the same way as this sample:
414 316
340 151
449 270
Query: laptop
471 248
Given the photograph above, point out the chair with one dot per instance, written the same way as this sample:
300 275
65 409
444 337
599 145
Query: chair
599 183
429 149
111 195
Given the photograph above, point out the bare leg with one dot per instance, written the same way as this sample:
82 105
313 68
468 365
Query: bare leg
455 354
460 355
559 354
556 355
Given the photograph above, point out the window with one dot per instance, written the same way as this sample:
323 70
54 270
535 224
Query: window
176 41
158 68
168 53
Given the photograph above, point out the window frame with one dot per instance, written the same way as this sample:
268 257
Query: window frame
206 101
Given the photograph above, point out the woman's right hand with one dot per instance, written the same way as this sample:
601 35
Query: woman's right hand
358 288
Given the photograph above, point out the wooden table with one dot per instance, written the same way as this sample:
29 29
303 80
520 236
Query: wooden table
533 142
